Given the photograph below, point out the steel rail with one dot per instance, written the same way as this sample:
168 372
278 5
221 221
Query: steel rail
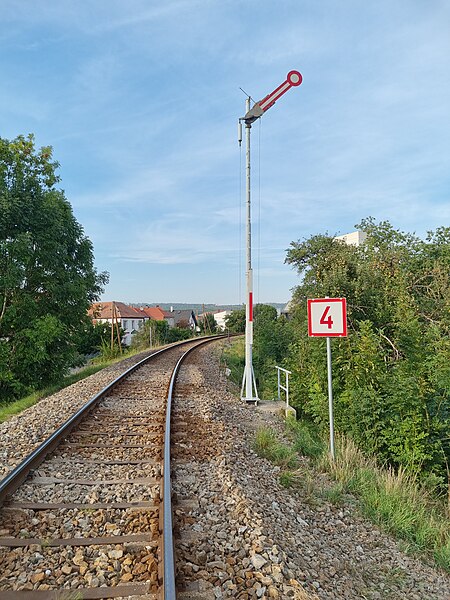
15 478
169 587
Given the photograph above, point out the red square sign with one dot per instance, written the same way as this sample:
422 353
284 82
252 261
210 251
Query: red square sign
327 317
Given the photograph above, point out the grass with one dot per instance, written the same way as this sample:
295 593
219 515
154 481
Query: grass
288 478
16 407
307 438
233 357
267 446
334 494
393 500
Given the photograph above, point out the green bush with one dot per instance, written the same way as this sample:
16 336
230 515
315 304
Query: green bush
267 446
391 375
307 438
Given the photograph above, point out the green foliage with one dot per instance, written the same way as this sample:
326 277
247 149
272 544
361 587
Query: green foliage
272 337
235 321
92 337
109 353
208 324
234 357
306 437
177 334
47 277
391 376
157 331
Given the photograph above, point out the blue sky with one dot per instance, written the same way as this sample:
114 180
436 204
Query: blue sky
140 101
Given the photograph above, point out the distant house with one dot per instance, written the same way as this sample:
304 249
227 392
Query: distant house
181 318
219 317
152 312
287 310
129 319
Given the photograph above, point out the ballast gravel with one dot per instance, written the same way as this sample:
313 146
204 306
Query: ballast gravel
23 433
242 535
239 533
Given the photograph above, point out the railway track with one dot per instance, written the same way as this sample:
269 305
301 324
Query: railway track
88 514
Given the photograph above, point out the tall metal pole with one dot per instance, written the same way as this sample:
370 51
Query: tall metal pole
248 383
330 398
293 79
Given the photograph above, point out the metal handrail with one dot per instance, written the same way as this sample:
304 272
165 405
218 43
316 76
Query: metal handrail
280 386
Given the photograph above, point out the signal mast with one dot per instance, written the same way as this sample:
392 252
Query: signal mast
249 392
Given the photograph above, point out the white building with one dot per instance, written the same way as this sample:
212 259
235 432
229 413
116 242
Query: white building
219 318
356 238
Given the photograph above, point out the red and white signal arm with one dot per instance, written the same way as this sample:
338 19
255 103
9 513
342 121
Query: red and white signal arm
327 317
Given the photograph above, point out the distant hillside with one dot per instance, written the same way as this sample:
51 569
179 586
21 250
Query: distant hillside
201 307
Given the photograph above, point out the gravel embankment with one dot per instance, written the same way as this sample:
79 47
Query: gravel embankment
242 535
21 434
63 479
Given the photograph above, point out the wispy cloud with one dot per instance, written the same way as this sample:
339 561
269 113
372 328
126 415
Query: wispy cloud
141 102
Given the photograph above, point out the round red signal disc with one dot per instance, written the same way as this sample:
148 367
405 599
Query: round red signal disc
295 78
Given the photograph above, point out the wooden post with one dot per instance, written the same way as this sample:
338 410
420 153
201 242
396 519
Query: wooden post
112 325
117 330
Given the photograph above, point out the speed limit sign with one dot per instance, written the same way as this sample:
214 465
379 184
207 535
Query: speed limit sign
327 317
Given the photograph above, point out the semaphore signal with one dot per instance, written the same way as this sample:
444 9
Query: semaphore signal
249 392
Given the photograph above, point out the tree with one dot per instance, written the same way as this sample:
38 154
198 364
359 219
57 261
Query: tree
391 375
235 321
208 324
93 337
47 275
157 331
272 336
176 334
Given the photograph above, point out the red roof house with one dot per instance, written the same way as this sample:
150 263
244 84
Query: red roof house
130 319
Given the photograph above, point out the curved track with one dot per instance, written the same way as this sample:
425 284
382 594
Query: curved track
88 513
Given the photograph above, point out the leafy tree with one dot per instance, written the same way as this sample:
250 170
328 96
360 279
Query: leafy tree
176 334
158 331
264 313
47 276
271 340
235 321
391 375
92 337
208 324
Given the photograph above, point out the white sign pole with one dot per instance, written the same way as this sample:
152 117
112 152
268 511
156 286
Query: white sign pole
330 399
327 317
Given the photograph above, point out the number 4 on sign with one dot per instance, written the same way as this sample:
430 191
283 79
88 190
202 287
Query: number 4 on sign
327 317
324 321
